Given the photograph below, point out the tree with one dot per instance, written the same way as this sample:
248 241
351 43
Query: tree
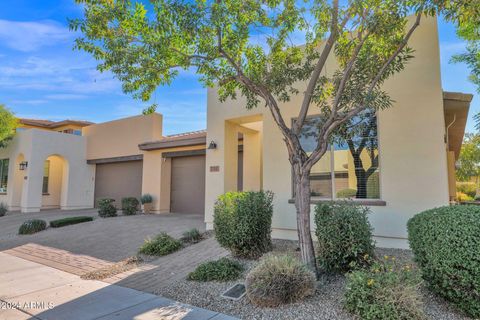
469 160
8 124
147 45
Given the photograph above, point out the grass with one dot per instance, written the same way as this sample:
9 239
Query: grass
68 221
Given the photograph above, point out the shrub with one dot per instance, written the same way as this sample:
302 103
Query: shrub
146 198
32 226
68 221
242 222
463 197
161 245
344 235
384 291
468 188
347 193
130 206
446 245
3 209
106 208
220 270
192 236
278 280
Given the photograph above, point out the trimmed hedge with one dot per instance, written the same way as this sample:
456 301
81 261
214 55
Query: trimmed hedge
446 245
161 245
106 208
32 226
243 221
223 269
344 235
130 206
68 221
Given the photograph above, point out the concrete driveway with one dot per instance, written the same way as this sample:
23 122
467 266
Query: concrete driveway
111 239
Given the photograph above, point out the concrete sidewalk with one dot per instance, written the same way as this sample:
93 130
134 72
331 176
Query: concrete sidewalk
32 291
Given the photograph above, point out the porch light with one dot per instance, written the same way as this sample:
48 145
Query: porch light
23 165
212 145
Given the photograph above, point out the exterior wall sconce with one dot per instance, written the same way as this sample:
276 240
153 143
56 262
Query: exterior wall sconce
23 165
212 145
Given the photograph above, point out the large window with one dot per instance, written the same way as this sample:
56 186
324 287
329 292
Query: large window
3 175
46 176
350 167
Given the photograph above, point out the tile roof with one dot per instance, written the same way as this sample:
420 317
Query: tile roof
53 124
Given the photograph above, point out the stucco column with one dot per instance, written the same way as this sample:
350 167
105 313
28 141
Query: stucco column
152 179
252 161
32 186
230 156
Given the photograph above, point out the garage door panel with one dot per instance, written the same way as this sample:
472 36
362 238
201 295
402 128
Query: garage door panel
188 185
118 180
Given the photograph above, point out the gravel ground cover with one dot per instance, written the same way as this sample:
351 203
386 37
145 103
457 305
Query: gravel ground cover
325 304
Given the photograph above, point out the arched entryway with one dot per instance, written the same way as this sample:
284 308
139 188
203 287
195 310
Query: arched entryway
54 182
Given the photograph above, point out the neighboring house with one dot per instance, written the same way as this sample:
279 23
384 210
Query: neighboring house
401 161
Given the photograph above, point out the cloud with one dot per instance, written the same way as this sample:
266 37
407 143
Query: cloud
30 36
66 96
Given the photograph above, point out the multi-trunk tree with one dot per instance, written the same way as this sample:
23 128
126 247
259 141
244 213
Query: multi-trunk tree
251 48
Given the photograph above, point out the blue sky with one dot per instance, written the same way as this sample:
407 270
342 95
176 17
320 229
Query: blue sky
42 77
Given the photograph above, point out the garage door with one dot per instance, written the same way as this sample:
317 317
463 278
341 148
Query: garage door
118 180
188 185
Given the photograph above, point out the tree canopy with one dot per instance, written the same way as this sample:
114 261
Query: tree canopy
8 124
469 160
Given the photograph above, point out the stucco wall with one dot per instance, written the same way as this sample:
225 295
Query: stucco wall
413 168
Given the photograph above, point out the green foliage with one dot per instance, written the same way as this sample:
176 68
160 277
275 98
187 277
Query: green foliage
130 206
460 196
32 226
146 198
192 236
223 269
106 208
469 158
243 221
68 221
468 188
150 109
385 291
8 124
347 193
161 245
3 209
279 280
446 245
344 235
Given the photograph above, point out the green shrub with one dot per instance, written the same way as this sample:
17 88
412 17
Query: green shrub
146 198
468 188
242 222
106 208
446 244
278 280
68 221
161 245
344 235
385 291
3 209
220 270
192 236
347 193
130 206
463 197
32 226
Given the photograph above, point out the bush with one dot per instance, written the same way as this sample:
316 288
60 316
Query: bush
146 198
3 209
192 236
68 221
463 197
242 222
344 235
468 188
278 280
106 208
446 245
130 206
384 291
161 245
32 226
220 270
347 193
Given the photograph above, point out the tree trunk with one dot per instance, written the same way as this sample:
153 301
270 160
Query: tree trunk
361 177
302 205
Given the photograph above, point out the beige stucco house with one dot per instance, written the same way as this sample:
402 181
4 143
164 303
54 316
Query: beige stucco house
400 163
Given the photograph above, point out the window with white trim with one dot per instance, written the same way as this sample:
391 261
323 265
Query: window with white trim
3 175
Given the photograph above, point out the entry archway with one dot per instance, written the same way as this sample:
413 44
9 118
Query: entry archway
54 182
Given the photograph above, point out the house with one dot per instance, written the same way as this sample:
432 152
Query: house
401 162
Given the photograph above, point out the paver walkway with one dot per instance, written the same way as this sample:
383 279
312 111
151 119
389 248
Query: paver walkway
29 290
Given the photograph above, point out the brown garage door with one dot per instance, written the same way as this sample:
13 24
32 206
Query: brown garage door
118 180
188 185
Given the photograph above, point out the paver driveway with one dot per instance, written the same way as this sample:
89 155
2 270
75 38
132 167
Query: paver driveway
111 239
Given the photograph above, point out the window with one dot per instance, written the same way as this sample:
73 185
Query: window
3 175
349 169
46 175
77 132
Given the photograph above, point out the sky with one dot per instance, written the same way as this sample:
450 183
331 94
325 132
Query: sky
42 77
